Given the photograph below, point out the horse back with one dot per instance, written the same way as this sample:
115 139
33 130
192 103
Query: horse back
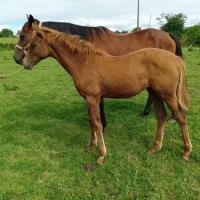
120 44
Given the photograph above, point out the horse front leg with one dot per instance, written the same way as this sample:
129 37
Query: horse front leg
93 138
95 120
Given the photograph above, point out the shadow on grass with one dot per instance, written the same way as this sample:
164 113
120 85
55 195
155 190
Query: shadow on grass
58 120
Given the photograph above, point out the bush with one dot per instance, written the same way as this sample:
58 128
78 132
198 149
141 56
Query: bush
7 47
192 35
173 23
136 29
6 33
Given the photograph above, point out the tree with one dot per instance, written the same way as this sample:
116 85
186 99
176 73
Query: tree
192 35
121 32
6 33
124 32
118 32
136 29
173 23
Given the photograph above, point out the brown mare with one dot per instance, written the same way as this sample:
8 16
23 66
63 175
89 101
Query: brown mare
112 43
98 75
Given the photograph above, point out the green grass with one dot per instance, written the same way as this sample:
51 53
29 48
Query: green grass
7 43
44 128
8 40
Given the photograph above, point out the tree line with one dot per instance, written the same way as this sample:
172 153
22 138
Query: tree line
175 24
6 33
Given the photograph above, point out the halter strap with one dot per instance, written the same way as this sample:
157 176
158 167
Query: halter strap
40 24
24 49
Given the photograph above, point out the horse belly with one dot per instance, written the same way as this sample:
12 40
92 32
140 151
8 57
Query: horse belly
124 90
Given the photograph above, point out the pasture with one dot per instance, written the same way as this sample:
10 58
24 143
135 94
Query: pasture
7 43
44 128
8 40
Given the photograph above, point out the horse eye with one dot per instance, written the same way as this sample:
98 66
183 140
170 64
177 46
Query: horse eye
33 46
21 37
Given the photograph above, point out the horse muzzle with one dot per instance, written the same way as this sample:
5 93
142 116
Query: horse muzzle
18 60
27 64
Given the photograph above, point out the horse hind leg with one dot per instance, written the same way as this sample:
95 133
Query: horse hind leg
102 114
161 116
180 117
147 108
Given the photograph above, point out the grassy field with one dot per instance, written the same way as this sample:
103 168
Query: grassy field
7 43
8 40
44 128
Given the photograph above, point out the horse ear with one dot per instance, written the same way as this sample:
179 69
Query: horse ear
37 22
30 20
38 31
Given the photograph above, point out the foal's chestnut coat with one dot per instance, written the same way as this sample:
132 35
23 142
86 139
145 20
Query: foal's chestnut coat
97 75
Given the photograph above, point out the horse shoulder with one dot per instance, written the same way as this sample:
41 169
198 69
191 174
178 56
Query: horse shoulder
86 81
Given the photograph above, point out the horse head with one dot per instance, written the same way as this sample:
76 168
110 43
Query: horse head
25 37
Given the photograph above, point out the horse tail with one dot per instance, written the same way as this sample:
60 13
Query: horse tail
181 92
178 45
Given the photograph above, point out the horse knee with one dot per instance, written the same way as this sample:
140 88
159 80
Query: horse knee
98 127
181 118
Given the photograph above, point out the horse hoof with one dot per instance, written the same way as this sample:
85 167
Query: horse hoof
152 151
90 149
100 160
144 114
185 157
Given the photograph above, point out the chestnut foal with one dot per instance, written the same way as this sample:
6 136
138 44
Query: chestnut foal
97 75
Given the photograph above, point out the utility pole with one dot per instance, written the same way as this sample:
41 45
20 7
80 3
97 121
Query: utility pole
150 21
138 15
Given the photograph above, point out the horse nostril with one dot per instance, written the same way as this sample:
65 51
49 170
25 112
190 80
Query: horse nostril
17 61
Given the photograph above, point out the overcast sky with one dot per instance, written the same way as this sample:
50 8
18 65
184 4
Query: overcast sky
114 14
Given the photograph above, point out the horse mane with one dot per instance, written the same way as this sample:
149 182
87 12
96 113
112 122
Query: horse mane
74 42
73 29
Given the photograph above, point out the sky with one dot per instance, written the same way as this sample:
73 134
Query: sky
114 14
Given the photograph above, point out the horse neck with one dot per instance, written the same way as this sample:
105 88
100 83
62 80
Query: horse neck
69 59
